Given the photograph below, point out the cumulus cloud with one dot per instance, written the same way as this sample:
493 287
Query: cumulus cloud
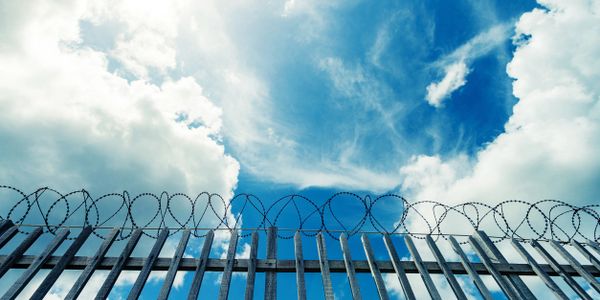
72 120
68 122
455 66
550 143
549 146
147 43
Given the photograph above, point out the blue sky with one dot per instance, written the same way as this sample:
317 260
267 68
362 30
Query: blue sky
450 101
353 95
350 98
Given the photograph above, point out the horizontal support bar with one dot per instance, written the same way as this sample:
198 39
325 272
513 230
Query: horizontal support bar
290 229
289 266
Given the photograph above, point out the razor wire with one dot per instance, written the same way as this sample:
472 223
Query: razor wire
342 212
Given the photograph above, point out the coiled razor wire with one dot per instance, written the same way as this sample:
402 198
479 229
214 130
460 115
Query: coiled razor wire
342 212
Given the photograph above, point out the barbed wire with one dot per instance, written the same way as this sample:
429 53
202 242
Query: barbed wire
342 212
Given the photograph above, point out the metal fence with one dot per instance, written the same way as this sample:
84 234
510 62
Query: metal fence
490 262
68 220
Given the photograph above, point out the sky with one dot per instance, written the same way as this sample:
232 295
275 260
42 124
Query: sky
451 101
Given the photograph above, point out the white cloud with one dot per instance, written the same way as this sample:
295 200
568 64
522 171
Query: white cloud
143 51
60 288
356 84
147 42
312 15
481 44
455 66
454 79
70 123
550 144
412 25
293 7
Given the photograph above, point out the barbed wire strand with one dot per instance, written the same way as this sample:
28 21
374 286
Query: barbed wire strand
541 220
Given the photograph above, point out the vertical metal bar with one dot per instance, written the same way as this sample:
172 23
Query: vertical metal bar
249 295
554 264
408 292
374 268
45 286
201 267
433 292
271 277
538 270
483 290
354 287
18 252
8 235
594 246
110 280
138 286
324 264
576 265
226 277
458 292
36 265
93 263
300 283
586 253
519 286
5 225
503 283
175 261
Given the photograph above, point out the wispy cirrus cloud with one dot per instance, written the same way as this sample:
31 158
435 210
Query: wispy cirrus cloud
454 78
455 66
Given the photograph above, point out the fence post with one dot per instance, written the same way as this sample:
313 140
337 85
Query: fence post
271 276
